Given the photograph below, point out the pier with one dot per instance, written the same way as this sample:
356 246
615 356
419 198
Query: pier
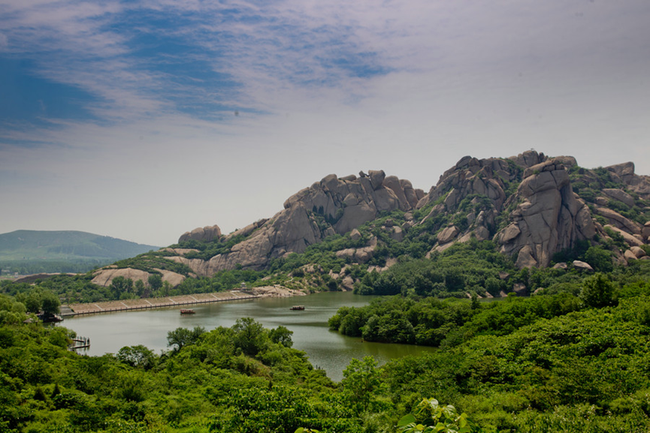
80 343
151 303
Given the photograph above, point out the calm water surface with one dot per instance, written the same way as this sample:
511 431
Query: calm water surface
326 349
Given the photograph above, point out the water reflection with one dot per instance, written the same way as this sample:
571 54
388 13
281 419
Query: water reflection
326 349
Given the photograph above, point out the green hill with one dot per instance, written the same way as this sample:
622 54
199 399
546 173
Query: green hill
27 251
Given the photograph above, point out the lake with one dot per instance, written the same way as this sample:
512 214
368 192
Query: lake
326 349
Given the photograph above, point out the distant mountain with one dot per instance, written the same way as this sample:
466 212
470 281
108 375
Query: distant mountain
36 245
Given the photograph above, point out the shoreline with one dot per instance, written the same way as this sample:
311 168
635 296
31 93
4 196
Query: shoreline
80 309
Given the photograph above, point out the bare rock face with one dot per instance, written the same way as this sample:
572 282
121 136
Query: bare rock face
344 203
360 255
448 234
645 232
638 252
203 234
619 221
582 266
628 238
548 219
625 173
471 176
629 255
620 195
105 276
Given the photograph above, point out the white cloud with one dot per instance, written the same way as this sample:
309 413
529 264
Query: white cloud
461 78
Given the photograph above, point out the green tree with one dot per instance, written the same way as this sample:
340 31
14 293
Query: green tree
360 380
250 336
597 291
121 285
181 337
155 281
137 356
600 259
431 417
281 335
50 303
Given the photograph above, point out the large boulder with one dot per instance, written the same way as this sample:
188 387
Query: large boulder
628 238
105 276
645 231
619 221
203 234
549 217
448 234
620 195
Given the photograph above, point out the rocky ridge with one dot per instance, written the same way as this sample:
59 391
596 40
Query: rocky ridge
332 206
531 205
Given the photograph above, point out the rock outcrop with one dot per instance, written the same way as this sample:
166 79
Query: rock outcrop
526 203
333 205
624 173
549 217
105 276
202 234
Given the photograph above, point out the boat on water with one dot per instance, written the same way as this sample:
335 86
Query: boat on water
187 311
297 307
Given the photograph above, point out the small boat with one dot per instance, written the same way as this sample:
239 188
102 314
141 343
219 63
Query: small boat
297 307
188 311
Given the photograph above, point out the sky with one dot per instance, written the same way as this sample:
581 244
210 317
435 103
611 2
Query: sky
142 120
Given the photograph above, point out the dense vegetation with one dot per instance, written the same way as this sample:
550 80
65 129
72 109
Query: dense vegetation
553 362
415 318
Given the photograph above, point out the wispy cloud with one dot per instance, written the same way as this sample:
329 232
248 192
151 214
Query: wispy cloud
152 87
147 58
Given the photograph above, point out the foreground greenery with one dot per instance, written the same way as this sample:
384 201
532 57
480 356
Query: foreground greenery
562 361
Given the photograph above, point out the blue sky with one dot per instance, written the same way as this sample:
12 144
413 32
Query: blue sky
144 119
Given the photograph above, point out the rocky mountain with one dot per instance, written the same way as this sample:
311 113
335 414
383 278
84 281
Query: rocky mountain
332 206
532 205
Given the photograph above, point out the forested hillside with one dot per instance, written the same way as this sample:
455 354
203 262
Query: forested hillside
554 362
33 251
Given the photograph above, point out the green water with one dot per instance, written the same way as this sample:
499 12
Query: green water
326 349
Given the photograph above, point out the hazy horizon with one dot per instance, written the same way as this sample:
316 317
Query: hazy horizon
144 120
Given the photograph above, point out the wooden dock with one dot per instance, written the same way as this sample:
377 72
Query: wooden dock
80 343
151 303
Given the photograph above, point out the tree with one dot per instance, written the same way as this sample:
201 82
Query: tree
155 281
181 337
360 379
50 303
598 291
250 336
430 416
600 259
121 285
281 335
139 288
32 300
137 356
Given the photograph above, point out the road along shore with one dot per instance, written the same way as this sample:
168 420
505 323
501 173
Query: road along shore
174 301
